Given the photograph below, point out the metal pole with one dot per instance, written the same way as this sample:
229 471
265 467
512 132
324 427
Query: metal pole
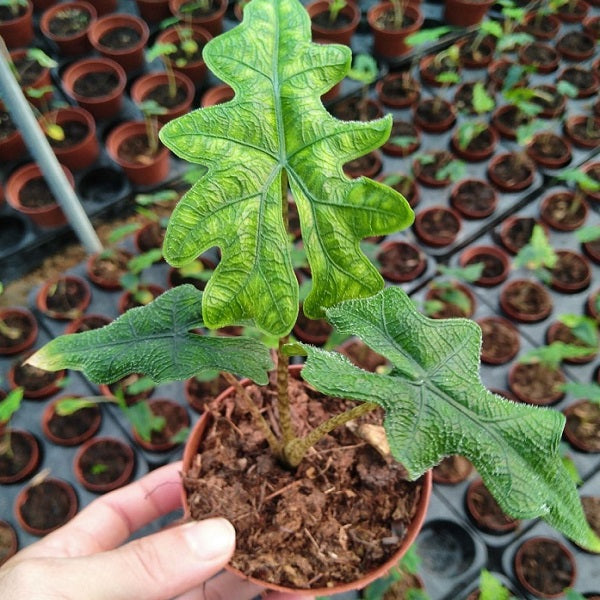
41 151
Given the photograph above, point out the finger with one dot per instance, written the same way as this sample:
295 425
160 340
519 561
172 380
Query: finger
111 519
157 567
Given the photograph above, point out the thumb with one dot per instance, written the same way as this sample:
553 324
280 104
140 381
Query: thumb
157 567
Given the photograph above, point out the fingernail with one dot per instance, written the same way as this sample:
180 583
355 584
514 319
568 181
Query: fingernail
210 539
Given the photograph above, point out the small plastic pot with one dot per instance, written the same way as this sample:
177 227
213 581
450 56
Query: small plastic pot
465 13
474 199
217 94
583 425
564 210
70 43
312 331
509 161
176 417
450 309
51 504
26 445
572 278
23 321
70 430
534 383
501 341
525 301
116 457
576 128
587 81
64 298
401 261
390 43
153 11
496 264
35 76
368 165
549 63
434 115
485 512
131 54
555 157
585 49
87 323
212 22
105 104
567 14
515 232
548 30
37 383
452 470
398 90
476 150
105 270
559 332
429 71
18 32
336 33
9 543
127 301
437 226
402 129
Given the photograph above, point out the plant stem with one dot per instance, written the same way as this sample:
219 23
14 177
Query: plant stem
283 399
295 450
274 444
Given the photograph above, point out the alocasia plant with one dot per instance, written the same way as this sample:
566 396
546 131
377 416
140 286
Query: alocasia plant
276 133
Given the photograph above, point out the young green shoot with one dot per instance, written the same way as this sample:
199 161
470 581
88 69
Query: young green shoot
552 355
470 131
587 391
483 102
579 177
364 70
491 588
151 109
8 407
163 50
335 6
537 255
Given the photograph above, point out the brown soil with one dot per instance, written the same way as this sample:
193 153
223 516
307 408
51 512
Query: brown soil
591 509
136 149
473 198
586 130
47 506
583 423
323 21
355 109
489 516
541 55
433 111
480 142
202 392
500 341
110 266
401 87
68 23
29 70
519 233
161 95
176 418
7 540
592 249
36 194
576 42
151 236
33 379
512 118
96 84
528 298
362 356
19 324
362 165
540 25
440 224
578 77
200 11
452 469
108 453
547 568
570 269
401 261
339 515
492 265
551 101
536 383
65 297
479 55
549 146
570 8
7 126
428 171
75 425
120 38
404 129
564 209
75 132
386 21
513 170
449 310
11 464
501 72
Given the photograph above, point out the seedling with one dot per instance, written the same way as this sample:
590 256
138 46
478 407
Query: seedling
491 588
162 50
588 391
400 182
399 6
552 355
14 5
452 169
200 5
585 329
513 17
335 6
537 255
151 109
571 594
567 89
583 181
131 280
98 468
8 407
427 36
591 233
448 291
33 55
364 70
187 44
51 128
483 102
276 135
469 131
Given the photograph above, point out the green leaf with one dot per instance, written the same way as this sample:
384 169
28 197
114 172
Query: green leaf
491 588
156 197
449 77
121 232
155 340
143 420
427 36
491 28
588 391
98 469
435 406
469 273
364 69
582 179
571 594
10 405
276 125
582 327
41 58
567 89
552 355
142 261
537 252
411 561
68 406
591 233
160 49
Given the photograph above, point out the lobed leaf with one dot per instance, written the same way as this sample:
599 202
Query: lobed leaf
435 406
276 130
155 340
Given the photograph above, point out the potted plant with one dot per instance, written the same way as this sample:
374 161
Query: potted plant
67 24
206 13
18 329
249 168
334 20
16 23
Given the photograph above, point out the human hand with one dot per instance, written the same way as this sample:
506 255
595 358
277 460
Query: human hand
86 559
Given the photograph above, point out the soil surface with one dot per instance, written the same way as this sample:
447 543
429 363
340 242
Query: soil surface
477 54
75 425
570 270
89 322
578 77
488 514
36 194
540 55
339 515
528 299
540 24
450 309
19 327
180 57
549 99
564 209
66 297
519 233
405 130
314 331
201 393
399 589
400 87
536 384
583 423
11 464
355 108
176 418
323 21
440 224
547 568
69 22
480 142
29 70
120 38
550 146
587 130
401 261
136 149
33 379
47 506
110 266
362 165
433 111
151 236
104 462
7 13
576 42
96 84
473 198
387 21
161 95
429 170
500 341
75 132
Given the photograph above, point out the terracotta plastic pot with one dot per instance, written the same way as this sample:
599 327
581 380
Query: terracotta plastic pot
501 341
22 319
217 94
338 34
474 199
550 111
176 418
312 331
12 145
403 184
485 512
369 166
146 84
476 57
10 544
28 445
131 55
564 210
502 121
450 309
84 152
586 50
105 105
572 129
76 289
212 22
150 172
559 332
561 278
390 43
550 62
109 452
593 170
553 557
402 129
70 430
464 13
515 232
452 470
583 423
104 7
429 73
19 376
401 261
389 87
536 304
70 43
497 71
126 300
87 323
500 182
427 177
52 498
496 264
50 215
196 69
537 150
153 11
475 151
426 226
105 270
423 115
548 32
189 456
33 79
566 15
587 81
18 32
541 386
